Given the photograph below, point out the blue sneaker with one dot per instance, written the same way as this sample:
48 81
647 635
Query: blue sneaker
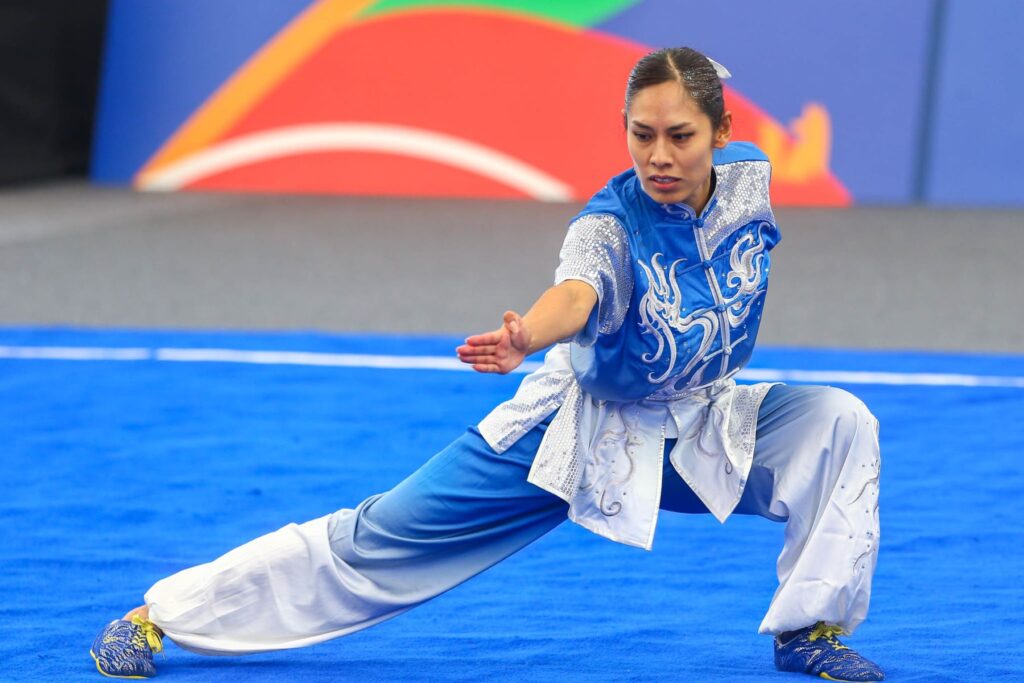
124 649
817 651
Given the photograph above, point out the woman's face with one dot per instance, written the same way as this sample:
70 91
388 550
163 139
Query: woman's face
670 140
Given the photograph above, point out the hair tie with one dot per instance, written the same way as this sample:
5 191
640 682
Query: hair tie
722 72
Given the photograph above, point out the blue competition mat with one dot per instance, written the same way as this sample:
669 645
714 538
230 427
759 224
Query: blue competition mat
130 455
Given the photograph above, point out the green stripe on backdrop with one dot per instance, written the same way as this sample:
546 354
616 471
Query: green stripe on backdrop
573 12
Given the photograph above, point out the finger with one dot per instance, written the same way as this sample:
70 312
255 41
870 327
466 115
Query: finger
487 350
521 340
479 360
485 338
482 367
512 321
484 357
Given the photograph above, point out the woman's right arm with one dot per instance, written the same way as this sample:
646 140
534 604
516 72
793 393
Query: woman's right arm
560 313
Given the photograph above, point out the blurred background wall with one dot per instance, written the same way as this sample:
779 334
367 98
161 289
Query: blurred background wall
867 101
49 71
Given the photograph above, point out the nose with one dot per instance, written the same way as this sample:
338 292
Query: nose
660 157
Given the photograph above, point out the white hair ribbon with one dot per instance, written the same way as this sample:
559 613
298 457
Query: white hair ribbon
722 72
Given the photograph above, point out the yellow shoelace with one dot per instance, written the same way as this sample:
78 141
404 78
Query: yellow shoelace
148 633
829 633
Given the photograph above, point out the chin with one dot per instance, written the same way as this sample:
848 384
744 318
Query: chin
664 197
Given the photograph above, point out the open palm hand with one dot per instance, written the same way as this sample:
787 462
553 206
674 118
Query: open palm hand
501 350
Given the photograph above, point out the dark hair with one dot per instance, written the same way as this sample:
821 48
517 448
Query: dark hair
690 69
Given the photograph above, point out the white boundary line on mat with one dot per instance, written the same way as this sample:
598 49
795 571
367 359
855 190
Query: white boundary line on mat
335 360
73 353
379 361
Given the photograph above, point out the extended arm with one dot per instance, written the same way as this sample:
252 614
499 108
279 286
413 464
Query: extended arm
558 314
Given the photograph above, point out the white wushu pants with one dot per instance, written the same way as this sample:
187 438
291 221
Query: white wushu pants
816 467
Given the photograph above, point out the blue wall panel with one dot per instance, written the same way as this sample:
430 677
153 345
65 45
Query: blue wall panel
863 59
160 76
977 140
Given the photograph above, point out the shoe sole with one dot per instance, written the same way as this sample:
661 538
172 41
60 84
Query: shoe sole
97 661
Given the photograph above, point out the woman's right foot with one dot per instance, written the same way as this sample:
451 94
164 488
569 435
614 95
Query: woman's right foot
124 649
816 650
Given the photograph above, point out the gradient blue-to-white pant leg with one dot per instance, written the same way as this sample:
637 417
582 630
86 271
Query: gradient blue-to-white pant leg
463 511
816 467
821 444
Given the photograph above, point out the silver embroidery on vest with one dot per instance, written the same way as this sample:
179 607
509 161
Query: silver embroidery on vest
746 263
660 315
612 461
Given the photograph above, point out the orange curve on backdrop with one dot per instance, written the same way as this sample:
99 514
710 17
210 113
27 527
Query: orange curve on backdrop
273 62
563 122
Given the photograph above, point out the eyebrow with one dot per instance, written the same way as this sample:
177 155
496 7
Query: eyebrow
670 128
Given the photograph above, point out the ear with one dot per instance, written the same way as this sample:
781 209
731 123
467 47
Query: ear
724 132
624 119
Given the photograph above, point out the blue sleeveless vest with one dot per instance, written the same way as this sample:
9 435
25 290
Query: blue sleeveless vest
699 283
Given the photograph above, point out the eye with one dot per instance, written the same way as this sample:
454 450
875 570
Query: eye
682 136
641 136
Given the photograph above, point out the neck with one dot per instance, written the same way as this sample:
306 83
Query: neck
701 197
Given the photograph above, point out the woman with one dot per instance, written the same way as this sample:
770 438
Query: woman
656 306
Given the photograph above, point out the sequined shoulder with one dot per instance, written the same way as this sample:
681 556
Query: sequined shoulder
742 198
598 228
596 251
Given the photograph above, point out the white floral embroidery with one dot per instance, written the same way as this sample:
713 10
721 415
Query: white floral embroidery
661 306
660 315
746 263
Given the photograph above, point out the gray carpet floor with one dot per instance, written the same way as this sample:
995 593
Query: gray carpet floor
867 277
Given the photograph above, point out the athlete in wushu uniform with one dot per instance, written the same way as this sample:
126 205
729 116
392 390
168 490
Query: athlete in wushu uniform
656 306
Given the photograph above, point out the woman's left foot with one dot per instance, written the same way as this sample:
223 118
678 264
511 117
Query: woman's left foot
816 650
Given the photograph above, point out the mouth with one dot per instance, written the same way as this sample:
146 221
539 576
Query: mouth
663 182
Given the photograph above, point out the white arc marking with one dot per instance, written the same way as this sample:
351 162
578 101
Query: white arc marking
359 137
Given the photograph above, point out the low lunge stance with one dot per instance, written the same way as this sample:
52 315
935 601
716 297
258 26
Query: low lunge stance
656 306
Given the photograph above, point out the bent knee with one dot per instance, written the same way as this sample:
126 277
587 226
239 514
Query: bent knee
853 428
844 409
